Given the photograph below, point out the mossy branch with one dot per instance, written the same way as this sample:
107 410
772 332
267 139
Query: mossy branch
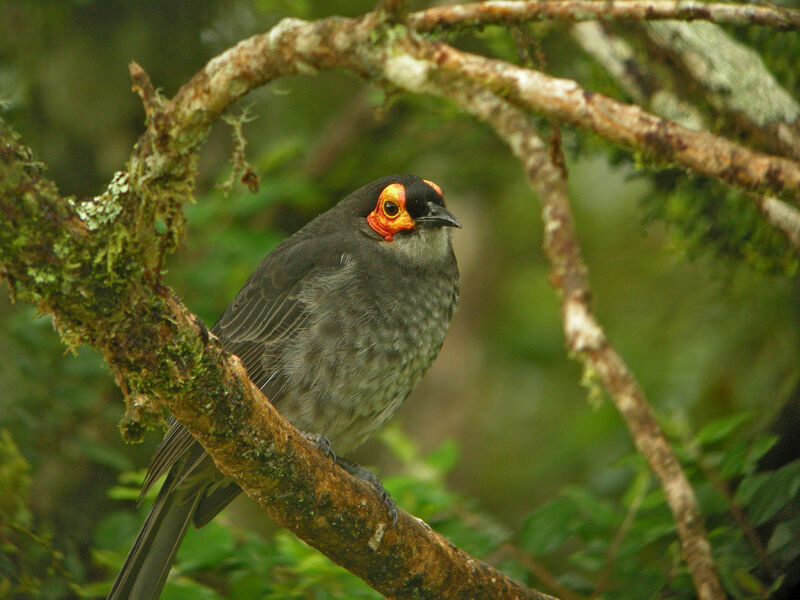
95 265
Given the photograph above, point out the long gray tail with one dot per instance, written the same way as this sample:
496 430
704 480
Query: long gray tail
145 569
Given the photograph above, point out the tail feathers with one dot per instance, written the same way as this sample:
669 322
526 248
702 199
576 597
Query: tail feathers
145 569
213 502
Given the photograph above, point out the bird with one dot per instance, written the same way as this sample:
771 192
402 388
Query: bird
336 326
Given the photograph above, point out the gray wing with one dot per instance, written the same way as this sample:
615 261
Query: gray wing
267 313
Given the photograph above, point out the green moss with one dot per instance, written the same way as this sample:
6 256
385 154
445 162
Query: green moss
263 451
131 430
15 483
706 217
590 379
29 564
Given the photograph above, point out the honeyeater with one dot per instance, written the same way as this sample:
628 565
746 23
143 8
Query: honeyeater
336 325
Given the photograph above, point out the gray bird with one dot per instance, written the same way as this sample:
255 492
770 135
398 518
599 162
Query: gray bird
337 325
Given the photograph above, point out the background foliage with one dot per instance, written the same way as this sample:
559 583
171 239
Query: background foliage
499 448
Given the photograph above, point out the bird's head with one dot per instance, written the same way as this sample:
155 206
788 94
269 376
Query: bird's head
404 205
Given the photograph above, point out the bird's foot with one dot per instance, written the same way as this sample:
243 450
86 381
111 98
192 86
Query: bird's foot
372 481
322 443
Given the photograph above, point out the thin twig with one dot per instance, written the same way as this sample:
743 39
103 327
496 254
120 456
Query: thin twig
541 572
611 556
506 13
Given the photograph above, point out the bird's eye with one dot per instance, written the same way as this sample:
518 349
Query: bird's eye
390 209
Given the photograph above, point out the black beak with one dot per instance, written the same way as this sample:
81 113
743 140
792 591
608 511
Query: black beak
438 216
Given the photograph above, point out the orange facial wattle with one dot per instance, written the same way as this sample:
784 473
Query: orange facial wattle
390 215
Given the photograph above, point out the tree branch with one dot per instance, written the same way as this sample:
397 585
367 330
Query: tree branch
569 275
746 102
587 340
617 57
509 13
95 265
295 46
628 125
163 356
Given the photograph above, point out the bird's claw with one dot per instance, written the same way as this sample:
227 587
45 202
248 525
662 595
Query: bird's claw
322 443
373 482
389 504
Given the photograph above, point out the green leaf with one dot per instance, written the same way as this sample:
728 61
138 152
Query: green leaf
116 531
94 590
119 492
594 508
205 547
183 588
722 428
549 527
734 462
765 494
759 448
784 544
443 458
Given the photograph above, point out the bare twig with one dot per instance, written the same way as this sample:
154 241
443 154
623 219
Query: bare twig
240 167
540 572
623 530
586 339
506 13
634 76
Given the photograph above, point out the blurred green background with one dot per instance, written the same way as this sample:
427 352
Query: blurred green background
710 330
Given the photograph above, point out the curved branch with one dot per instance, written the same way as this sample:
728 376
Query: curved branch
617 57
509 13
565 101
745 99
85 265
163 356
583 333
295 46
